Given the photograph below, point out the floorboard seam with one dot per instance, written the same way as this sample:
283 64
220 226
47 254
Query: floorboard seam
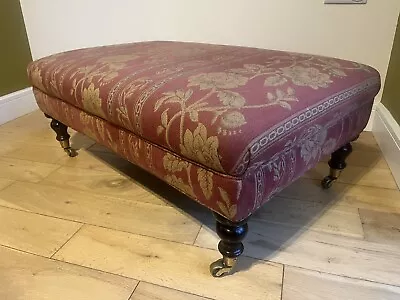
197 235
66 262
283 280
66 241
130 296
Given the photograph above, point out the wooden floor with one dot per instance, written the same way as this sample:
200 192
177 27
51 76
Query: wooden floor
96 227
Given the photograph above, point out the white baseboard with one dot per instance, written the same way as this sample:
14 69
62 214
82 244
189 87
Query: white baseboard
16 104
387 133
371 119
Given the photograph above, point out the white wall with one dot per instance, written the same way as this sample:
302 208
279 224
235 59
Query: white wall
357 32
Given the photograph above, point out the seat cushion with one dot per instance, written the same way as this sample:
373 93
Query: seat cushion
228 109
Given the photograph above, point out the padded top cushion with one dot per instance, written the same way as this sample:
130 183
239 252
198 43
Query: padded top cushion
215 105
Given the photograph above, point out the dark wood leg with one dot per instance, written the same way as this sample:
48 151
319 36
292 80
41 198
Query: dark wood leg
62 136
230 246
337 164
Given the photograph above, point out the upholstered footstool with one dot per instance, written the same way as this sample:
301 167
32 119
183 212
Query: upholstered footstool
227 126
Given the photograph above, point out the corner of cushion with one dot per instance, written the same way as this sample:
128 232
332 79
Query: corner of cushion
239 175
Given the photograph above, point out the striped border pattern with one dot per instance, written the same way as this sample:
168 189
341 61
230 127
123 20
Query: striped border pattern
270 136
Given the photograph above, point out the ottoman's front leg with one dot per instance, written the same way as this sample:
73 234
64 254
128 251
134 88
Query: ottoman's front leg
230 246
62 136
337 164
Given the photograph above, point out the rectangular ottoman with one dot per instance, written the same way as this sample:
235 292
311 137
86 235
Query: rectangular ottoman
227 126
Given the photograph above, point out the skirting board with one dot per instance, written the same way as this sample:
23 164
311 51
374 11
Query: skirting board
387 134
371 119
16 104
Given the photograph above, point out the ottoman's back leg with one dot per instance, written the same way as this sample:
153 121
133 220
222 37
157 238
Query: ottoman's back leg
62 136
337 164
230 246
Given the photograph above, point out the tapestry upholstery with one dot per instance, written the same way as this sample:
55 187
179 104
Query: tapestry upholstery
228 126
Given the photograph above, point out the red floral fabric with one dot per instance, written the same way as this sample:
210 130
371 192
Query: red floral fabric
228 126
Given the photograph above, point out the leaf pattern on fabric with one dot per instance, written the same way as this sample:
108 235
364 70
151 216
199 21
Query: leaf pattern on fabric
160 129
205 179
111 144
37 78
87 120
173 163
338 73
232 120
194 115
225 205
164 118
227 200
198 147
310 77
282 98
329 146
311 147
118 60
100 128
252 69
91 100
180 185
275 80
218 80
178 96
231 99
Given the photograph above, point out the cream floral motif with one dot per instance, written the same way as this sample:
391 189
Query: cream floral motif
310 77
217 80
135 144
329 61
197 146
100 129
173 163
311 147
180 185
280 74
232 120
117 59
87 122
275 80
231 99
91 100
282 98
225 205
111 143
37 79
278 168
329 146
205 179
338 73
252 69
177 96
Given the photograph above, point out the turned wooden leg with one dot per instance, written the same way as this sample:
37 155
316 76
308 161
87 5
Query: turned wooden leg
337 163
230 246
62 136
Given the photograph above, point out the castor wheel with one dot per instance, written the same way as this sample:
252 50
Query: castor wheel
219 269
223 266
327 182
71 152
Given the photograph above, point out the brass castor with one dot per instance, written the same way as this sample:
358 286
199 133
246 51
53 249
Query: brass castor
62 136
71 152
222 267
337 164
327 182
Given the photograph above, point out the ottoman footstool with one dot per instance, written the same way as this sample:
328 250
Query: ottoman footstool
228 126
